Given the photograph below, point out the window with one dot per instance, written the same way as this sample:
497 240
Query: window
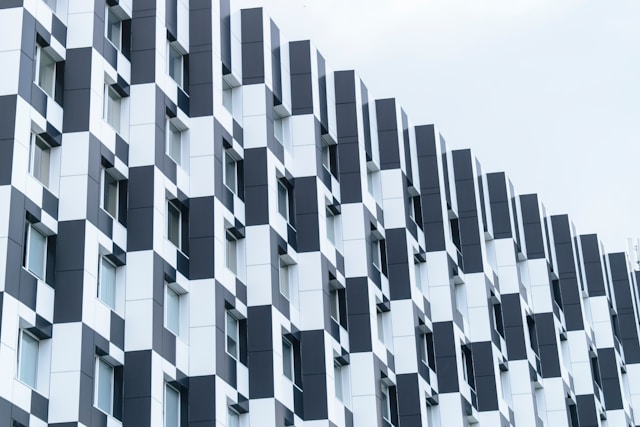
427 353
52 4
232 335
386 403
497 319
107 284
111 108
113 30
171 406
380 321
417 268
28 348
334 304
36 252
287 358
110 194
227 96
329 160
174 142
175 65
467 366
45 71
230 172
278 130
39 159
283 275
375 253
337 378
415 209
231 253
172 309
104 386
174 221
233 418
331 227
283 200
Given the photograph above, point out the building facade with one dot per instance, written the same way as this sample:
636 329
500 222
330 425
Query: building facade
203 225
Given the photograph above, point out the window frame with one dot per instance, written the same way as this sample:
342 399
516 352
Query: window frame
96 390
103 193
174 53
376 255
330 222
334 305
231 253
380 322
227 96
338 380
288 360
385 407
51 91
230 162
36 141
283 194
232 414
112 107
171 207
20 364
109 13
103 260
235 338
173 131
175 422
168 289
284 278
27 258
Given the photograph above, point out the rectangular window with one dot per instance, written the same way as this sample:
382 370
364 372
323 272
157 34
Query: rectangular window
104 386
283 276
233 418
334 304
278 130
380 321
39 159
171 406
36 252
174 221
172 309
386 403
230 173
287 359
497 319
28 348
107 285
109 194
174 142
175 65
231 253
113 30
375 253
232 328
111 108
331 227
227 96
337 378
283 200
45 71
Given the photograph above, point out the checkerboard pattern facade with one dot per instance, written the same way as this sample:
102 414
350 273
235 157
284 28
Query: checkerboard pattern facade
203 225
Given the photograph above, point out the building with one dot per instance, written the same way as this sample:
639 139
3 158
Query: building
203 225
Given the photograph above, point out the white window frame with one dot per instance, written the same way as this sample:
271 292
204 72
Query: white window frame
376 256
232 333
326 157
288 359
386 403
227 96
172 130
36 142
174 53
231 253
230 172
50 91
175 422
338 380
109 13
170 206
284 279
30 230
103 192
97 379
278 130
101 289
232 415
22 334
334 305
380 321
283 190
168 290
112 107
331 227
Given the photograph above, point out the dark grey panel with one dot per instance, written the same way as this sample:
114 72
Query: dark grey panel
301 94
315 396
253 63
251 21
300 57
201 395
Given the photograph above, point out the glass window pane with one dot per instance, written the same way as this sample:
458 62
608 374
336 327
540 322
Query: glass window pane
104 389
278 130
39 166
233 419
385 402
287 359
375 253
227 96
333 300
113 108
337 376
230 172
113 29
380 320
173 225
284 279
331 228
283 207
46 73
232 335
232 255
171 407
28 359
175 143
173 311
175 64
110 196
37 248
108 283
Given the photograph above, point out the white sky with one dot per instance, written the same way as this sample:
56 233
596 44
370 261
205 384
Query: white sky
546 90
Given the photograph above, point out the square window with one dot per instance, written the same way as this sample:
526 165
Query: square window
174 142
36 252
104 386
110 194
112 106
172 309
28 349
174 224
45 71
232 329
233 418
230 173
287 359
39 159
113 30
171 406
231 253
176 63
283 200
227 96
337 378
283 276
107 284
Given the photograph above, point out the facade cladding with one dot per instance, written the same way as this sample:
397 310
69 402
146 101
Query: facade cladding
202 225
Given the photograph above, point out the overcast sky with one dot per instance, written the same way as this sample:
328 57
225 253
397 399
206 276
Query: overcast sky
546 90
